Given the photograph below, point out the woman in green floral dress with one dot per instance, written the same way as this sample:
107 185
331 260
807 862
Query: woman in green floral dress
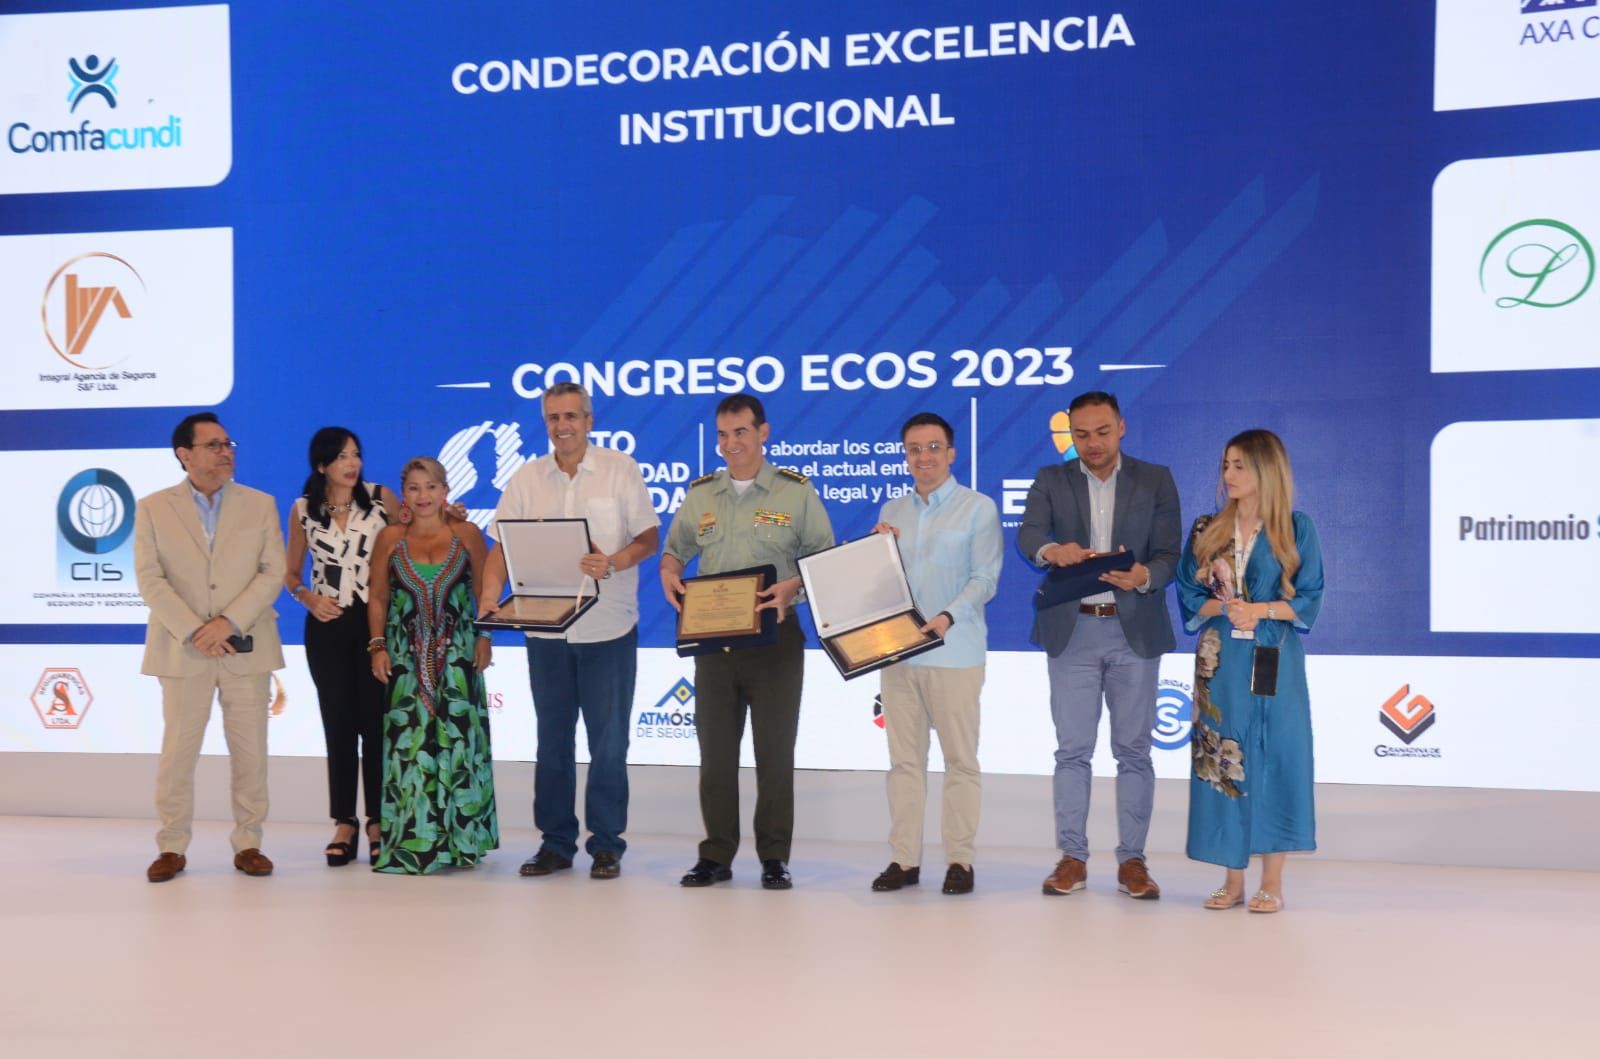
438 779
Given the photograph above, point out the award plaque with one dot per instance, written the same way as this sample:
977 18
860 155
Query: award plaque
719 612
861 603
548 591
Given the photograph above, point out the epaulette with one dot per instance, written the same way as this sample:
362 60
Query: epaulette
793 476
703 479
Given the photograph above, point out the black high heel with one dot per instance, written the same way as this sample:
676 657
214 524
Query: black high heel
374 845
342 853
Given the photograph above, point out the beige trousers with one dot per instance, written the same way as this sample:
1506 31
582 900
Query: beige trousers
915 698
186 709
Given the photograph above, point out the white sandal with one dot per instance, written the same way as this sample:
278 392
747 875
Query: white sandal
1220 895
1265 903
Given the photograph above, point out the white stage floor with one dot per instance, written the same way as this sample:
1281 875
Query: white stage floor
1367 960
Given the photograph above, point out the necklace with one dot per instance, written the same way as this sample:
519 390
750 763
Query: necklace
334 509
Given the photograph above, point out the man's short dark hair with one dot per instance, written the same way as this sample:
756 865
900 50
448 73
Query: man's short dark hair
930 419
742 402
183 433
1094 397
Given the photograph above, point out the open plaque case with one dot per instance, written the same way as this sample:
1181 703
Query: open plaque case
548 592
861 603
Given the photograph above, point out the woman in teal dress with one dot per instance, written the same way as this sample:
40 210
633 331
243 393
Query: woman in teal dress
438 779
1250 792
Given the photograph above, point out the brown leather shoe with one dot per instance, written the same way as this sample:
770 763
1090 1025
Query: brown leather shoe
1068 878
1133 879
895 877
165 867
252 862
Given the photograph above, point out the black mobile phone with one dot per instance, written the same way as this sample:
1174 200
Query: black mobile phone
242 644
1264 671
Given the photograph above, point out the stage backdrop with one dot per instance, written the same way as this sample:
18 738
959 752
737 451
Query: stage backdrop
1367 226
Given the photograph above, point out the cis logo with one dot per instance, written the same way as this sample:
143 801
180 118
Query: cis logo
1410 720
877 710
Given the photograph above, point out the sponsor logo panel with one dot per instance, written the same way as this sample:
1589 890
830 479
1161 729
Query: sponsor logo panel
1496 53
96 101
81 513
61 697
116 319
1508 498
1515 263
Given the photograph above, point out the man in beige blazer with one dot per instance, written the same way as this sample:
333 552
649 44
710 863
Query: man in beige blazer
209 558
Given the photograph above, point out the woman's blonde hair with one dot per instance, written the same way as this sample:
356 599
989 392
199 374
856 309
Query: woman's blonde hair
1265 457
429 466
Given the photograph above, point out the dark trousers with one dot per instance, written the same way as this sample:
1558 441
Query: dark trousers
351 700
766 681
594 681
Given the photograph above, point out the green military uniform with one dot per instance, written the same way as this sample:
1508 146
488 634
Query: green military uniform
777 519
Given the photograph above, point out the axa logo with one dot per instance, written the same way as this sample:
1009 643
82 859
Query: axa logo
61 697
1407 715
92 78
80 301
670 717
1535 7
1541 263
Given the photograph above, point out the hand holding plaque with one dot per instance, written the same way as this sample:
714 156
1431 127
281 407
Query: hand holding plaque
549 591
722 612
861 602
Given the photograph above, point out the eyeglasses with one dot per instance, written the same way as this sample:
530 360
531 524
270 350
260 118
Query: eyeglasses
933 448
215 447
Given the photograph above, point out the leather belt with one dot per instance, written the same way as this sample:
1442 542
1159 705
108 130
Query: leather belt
1099 610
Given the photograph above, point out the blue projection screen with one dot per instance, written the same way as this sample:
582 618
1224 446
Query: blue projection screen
1369 227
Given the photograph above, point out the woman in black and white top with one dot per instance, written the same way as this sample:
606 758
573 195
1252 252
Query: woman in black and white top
335 521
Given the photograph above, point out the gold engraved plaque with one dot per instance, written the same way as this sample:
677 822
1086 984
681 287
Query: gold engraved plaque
532 612
871 643
720 606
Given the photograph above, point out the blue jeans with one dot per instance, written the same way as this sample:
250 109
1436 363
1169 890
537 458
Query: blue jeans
1098 665
594 680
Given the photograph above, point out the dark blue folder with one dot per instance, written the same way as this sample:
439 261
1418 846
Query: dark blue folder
1068 584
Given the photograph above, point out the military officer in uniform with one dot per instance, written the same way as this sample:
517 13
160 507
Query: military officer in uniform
750 514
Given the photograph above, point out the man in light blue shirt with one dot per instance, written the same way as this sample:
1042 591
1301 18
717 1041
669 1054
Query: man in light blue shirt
950 540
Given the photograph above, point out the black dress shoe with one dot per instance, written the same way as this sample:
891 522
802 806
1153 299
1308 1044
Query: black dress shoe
957 880
606 865
775 875
544 862
705 872
894 877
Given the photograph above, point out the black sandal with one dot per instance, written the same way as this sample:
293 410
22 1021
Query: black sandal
374 845
342 853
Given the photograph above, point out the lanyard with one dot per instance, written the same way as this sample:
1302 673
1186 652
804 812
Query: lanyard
1241 557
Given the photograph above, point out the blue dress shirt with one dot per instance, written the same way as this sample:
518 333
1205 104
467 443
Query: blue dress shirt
952 550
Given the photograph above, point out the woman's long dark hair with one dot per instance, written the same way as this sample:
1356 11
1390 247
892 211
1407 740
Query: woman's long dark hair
326 444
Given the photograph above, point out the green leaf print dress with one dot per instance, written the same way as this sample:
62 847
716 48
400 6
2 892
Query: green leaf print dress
438 779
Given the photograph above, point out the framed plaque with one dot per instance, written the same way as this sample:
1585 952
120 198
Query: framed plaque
862 606
719 612
548 593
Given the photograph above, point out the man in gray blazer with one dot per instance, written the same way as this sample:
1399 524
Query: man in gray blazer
209 558
1108 645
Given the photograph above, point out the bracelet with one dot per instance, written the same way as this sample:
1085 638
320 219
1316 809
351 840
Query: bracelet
375 645
1269 613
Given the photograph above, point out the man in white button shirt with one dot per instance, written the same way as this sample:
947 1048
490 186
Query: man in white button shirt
589 670
1107 646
